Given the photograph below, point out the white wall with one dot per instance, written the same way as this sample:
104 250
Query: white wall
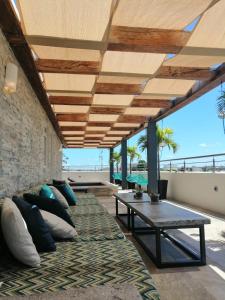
83 176
197 189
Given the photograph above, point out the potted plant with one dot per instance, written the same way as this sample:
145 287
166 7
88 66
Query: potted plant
164 139
139 192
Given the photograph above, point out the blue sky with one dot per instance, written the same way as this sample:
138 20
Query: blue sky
197 130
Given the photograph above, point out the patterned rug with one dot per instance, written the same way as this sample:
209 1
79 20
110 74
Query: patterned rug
98 227
79 265
84 210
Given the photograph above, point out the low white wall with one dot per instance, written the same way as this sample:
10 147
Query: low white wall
83 176
197 189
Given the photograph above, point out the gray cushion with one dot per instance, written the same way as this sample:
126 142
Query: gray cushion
17 237
59 228
60 197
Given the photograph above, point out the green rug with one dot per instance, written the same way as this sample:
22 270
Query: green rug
93 209
79 265
98 227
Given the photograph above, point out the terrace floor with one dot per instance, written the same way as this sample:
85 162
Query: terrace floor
198 283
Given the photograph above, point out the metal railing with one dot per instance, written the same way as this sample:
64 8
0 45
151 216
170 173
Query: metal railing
93 168
204 163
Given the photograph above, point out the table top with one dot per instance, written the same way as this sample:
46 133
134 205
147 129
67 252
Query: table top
129 198
165 214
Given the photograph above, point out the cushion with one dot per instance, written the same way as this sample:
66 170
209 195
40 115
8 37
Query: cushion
67 192
36 225
50 205
56 181
58 227
17 236
59 196
46 191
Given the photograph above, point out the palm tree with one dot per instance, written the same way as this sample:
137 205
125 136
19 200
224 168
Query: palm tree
164 138
221 108
132 153
117 160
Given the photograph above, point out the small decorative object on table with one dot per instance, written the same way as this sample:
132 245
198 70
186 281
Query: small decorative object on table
154 197
138 193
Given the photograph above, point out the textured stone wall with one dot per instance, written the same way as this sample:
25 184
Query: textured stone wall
29 147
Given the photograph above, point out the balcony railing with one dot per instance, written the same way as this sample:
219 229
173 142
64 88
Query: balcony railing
203 163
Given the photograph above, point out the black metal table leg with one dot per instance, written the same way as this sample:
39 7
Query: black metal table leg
132 221
128 218
202 244
158 247
116 206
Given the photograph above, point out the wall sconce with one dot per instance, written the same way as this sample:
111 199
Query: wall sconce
10 83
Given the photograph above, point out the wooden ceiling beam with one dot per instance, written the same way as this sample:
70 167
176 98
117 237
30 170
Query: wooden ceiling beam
67 66
185 73
131 119
72 135
99 124
70 100
135 39
122 129
72 117
106 110
117 88
154 103
72 128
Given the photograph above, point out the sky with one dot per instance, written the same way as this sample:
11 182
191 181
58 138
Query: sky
197 131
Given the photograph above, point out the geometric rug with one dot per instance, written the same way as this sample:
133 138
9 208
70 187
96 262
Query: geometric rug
79 264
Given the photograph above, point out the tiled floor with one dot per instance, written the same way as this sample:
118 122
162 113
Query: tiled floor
197 283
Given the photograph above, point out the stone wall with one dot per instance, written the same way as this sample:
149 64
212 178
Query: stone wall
29 147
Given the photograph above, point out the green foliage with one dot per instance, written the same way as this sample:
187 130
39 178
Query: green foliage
164 138
221 105
132 153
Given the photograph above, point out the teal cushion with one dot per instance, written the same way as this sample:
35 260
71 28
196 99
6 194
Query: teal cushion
67 192
47 192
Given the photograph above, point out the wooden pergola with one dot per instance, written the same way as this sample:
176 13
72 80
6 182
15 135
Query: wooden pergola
103 68
108 66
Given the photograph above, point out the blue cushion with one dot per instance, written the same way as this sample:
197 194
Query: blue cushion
36 225
51 205
67 192
46 191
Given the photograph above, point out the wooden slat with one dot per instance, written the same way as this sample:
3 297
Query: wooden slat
72 128
116 88
151 103
184 73
110 110
72 117
122 129
134 39
10 26
99 124
95 132
92 138
72 135
131 119
70 100
67 66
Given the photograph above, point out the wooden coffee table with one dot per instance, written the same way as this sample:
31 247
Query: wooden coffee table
164 249
125 218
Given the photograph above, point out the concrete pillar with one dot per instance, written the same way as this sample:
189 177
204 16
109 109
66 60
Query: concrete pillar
152 157
124 163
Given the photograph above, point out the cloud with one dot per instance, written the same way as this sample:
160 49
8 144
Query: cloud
204 145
